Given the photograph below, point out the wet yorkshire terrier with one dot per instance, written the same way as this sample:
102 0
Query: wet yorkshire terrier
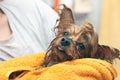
75 42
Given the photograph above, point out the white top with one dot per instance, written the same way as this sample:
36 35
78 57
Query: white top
31 22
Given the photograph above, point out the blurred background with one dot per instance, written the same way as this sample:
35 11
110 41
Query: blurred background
103 14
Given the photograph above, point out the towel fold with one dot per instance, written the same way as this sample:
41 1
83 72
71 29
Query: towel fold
79 69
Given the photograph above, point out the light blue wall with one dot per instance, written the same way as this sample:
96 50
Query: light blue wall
94 16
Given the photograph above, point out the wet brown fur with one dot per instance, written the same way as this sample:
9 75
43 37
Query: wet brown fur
83 36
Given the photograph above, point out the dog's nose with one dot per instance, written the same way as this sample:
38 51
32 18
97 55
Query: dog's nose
65 42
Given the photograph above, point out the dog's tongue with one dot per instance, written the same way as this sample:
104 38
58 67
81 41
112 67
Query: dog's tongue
60 48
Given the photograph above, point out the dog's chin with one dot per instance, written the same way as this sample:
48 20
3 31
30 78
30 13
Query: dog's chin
61 50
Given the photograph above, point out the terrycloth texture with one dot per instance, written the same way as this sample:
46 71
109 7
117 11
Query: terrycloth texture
80 69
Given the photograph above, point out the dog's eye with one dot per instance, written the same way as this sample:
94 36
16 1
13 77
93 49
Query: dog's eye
80 46
65 33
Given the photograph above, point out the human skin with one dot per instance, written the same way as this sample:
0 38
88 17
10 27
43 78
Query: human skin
1 0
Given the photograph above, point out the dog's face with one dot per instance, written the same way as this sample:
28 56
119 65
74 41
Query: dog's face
72 41
75 42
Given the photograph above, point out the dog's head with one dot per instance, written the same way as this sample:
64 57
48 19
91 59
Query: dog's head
72 41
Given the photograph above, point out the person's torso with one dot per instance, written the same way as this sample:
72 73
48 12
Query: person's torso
28 32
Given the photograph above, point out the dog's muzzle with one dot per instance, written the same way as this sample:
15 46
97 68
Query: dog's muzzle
65 42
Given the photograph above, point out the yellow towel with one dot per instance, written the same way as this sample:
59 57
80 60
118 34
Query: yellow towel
79 69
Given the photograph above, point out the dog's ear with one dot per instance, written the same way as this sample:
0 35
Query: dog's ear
107 53
93 37
66 18
88 27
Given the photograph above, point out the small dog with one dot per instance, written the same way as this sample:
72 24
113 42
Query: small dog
74 42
